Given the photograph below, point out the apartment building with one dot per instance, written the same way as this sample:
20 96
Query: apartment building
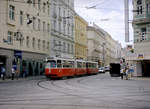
141 25
80 38
62 28
102 47
24 35
96 44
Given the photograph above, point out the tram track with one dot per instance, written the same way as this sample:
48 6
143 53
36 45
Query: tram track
57 88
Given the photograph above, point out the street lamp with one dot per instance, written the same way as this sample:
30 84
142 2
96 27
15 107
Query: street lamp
103 45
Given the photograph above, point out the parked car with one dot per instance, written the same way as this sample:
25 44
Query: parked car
101 70
107 68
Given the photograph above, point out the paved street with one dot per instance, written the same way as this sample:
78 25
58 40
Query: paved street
91 92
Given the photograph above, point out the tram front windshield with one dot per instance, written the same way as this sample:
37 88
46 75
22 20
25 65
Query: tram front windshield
51 64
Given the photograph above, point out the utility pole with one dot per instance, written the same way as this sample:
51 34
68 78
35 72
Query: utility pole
126 9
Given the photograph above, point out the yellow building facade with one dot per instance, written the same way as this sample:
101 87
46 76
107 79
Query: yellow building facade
80 38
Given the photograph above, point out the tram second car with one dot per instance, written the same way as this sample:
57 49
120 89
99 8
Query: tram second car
59 68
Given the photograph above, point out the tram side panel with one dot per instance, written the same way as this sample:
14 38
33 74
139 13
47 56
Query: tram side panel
80 68
91 68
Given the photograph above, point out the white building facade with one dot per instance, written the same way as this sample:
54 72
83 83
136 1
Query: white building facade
141 25
96 44
62 28
102 47
24 35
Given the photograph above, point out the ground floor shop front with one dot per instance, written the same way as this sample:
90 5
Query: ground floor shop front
141 68
25 63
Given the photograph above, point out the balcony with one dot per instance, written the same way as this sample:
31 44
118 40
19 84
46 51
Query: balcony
141 39
141 19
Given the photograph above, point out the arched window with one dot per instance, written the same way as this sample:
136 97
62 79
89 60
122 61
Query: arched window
139 2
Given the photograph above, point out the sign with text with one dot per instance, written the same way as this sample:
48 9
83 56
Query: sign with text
140 56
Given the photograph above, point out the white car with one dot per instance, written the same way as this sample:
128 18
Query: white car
101 70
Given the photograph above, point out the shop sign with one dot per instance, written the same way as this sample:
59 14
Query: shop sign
18 54
140 56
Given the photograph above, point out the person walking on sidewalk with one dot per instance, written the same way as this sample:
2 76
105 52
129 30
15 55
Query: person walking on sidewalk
12 73
121 73
3 71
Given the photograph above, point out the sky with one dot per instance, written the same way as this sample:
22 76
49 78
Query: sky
107 14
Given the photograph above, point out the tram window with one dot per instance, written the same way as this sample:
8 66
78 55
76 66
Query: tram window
59 65
79 64
65 64
90 65
84 64
47 65
94 65
71 64
52 63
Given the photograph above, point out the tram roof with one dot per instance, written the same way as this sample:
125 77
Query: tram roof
68 59
58 58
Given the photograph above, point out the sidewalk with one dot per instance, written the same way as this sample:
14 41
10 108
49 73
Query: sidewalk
20 79
141 78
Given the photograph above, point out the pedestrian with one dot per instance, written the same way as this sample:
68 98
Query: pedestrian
3 71
24 72
126 73
12 73
17 74
121 73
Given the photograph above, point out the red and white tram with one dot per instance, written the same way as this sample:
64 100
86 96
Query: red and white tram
59 67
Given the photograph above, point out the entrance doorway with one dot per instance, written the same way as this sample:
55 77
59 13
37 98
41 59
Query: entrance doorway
146 68
2 61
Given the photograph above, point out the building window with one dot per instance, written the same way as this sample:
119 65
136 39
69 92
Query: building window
39 4
147 8
64 47
44 7
54 25
59 45
143 31
33 42
68 48
27 41
21 17
43 44
72 49
34 3
139 2
54 9
48 9
10 37
139 7
48 45
59 26
21 39
39 24
48 28
43 26
34 19
39 43
11 12
54 43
